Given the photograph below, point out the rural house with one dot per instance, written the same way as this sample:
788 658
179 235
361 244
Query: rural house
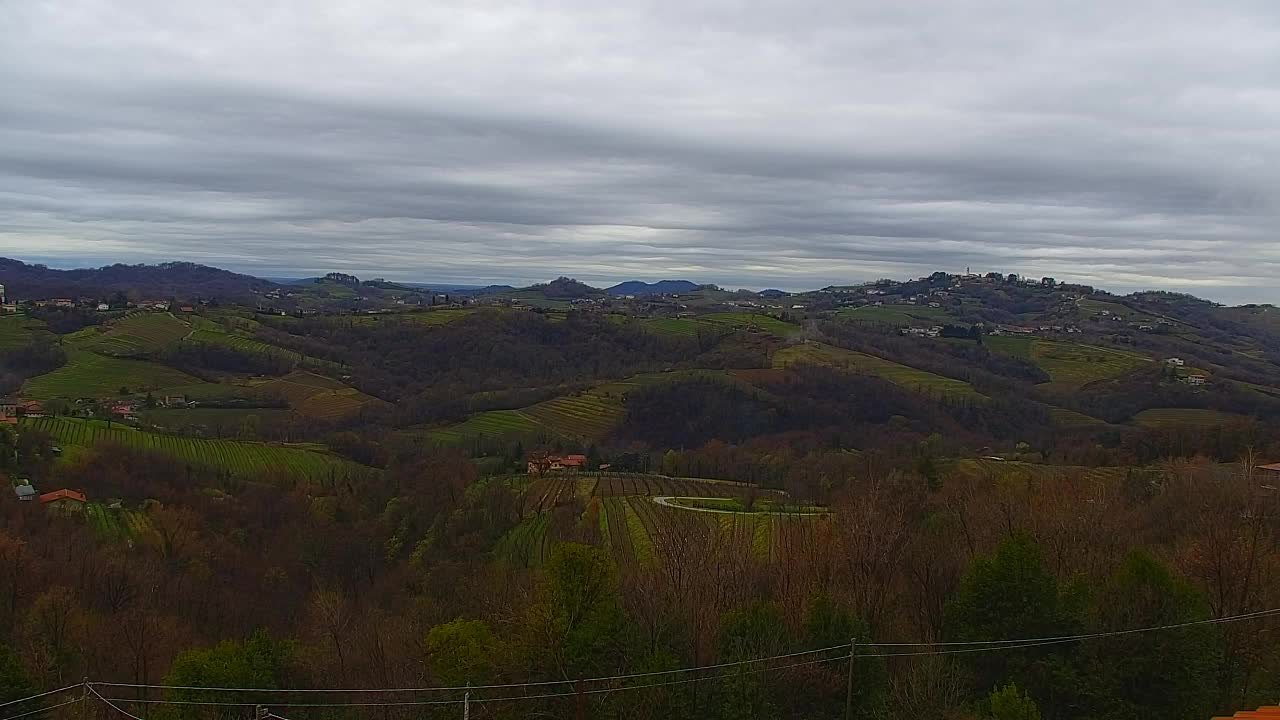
68 501
25 492
1266 712
31 408
540 464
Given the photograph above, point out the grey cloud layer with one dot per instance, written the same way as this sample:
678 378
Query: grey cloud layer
790 144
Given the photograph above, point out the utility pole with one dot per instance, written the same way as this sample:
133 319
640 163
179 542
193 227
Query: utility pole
848 698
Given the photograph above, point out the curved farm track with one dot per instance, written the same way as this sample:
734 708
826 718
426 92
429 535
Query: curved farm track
666 501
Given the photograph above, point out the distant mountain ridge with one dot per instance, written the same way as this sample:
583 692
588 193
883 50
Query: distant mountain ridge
182 280
661 287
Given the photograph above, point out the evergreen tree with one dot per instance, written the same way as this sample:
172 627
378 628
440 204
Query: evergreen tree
1168 674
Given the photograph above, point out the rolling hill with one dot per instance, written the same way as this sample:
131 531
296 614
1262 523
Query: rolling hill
661 287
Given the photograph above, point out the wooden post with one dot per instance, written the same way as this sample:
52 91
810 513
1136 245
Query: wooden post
466 703
582 700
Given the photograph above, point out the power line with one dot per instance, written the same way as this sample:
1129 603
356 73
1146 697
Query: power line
463 688
967 647
40 710
43 694
112 705
510 698
1087 636
937 648
944 649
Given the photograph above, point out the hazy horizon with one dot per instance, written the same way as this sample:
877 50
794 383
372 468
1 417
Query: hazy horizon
597 281
789 144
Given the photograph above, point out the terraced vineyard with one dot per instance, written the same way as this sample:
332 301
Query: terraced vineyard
545 493
591 414
1089 306
128 526
659 485
430 318
137 333
588 414
1170 417
1063 417
637 530
88 374
316 395
19 330
244 459
897 315
1034 471
253 346
527 544
896 373
222 420
494 423
1069 364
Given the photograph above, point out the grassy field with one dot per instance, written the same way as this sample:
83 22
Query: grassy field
1033 471
1089 306
589 414
243 459
1063 417
88 374
900 315
1015 345
19 330
1068 364
137 333
679 327
494 423
908 377
751 321
1167 417
316 395
216 419
430 318
1260 317
537 300
230 389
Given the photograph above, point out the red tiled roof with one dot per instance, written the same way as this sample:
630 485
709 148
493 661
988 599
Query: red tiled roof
1266 712
63 494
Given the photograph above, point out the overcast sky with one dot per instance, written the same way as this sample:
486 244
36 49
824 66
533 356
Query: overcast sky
790 144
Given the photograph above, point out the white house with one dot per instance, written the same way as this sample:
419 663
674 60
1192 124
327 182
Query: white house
1175 362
